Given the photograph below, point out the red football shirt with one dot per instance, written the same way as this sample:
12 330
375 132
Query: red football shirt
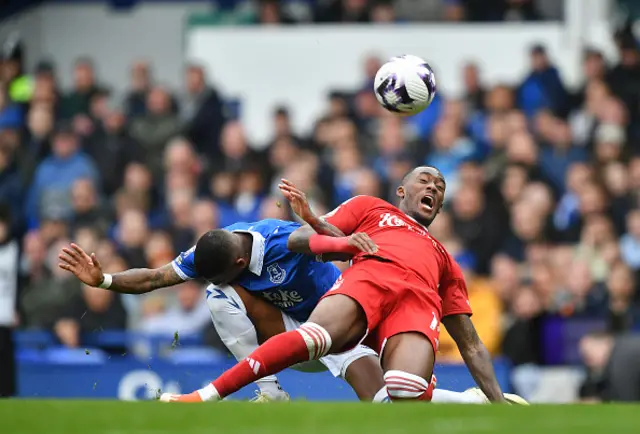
403 240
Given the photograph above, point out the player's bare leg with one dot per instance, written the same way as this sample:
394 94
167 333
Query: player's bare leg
408 360
364 375
335 323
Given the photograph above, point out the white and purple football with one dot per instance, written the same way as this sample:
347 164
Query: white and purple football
405 85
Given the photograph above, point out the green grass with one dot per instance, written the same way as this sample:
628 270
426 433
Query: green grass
112 417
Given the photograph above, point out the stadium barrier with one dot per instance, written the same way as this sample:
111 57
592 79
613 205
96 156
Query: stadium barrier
47 371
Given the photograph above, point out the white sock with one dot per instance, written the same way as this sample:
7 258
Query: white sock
447 396
270 386
230 319
209 393
382 397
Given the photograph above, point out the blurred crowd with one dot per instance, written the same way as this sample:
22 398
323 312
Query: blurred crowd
542 209
271 12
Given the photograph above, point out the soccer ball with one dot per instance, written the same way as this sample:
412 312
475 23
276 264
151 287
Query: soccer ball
405 85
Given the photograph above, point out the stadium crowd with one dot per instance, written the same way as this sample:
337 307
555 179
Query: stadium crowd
543 209
269 12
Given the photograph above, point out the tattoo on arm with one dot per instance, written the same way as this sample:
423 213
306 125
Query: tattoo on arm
142 280
475 354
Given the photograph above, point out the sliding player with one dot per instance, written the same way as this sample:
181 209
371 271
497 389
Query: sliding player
392 298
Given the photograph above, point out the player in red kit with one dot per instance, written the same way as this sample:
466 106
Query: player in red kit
394 296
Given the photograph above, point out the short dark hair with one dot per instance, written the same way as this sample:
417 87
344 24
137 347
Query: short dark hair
213 253
407 175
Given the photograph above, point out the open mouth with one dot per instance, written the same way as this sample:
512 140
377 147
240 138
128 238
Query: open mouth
428 202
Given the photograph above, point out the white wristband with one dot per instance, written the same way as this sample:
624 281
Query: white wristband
106 281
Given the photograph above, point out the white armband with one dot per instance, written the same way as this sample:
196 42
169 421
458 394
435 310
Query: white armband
106 281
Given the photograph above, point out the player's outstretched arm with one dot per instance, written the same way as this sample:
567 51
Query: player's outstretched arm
300 205
135 281
475 354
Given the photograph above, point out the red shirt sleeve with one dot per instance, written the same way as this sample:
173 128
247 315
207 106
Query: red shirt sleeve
453 291
349 214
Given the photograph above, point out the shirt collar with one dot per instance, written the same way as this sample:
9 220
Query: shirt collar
257 251
415 221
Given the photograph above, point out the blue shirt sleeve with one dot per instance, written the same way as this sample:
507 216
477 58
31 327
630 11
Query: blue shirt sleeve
184 265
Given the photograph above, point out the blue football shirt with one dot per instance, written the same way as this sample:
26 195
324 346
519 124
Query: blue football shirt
291 281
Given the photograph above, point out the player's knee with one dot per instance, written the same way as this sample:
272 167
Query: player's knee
316 338
402 385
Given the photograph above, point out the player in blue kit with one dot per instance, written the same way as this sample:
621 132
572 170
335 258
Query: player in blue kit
273 290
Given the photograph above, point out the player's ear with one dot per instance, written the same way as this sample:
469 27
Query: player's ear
241 262
400 192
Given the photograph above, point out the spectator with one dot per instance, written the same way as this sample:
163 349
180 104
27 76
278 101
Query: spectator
77 101
141 82
527 226
273 208
474 92
612 367
190 317
131 235
556 159
487 313
49 290
9 267
236 153
112 150
282 128
450 149
36 142
543 87
271 12
10 113
594 68
54 177
179 157
382 11
473 223
621 290
630 242
583 120
180 204
624 77
204 217
351 11
609 143
616 182
94 311
203 112
11 188
86 207
154 129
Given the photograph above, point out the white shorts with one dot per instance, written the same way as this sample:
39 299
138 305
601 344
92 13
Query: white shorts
337 364
229 316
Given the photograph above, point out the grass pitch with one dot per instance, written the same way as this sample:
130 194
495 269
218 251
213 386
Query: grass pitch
112 417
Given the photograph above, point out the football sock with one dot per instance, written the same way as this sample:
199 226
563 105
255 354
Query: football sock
447 396
382 396
403 386
309 342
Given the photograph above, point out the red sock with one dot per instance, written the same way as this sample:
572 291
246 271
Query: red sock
310 341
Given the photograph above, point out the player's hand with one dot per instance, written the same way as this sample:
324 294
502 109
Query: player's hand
86 268
363 243
298 200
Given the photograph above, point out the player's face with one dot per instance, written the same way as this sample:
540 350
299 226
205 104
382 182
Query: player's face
423 194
